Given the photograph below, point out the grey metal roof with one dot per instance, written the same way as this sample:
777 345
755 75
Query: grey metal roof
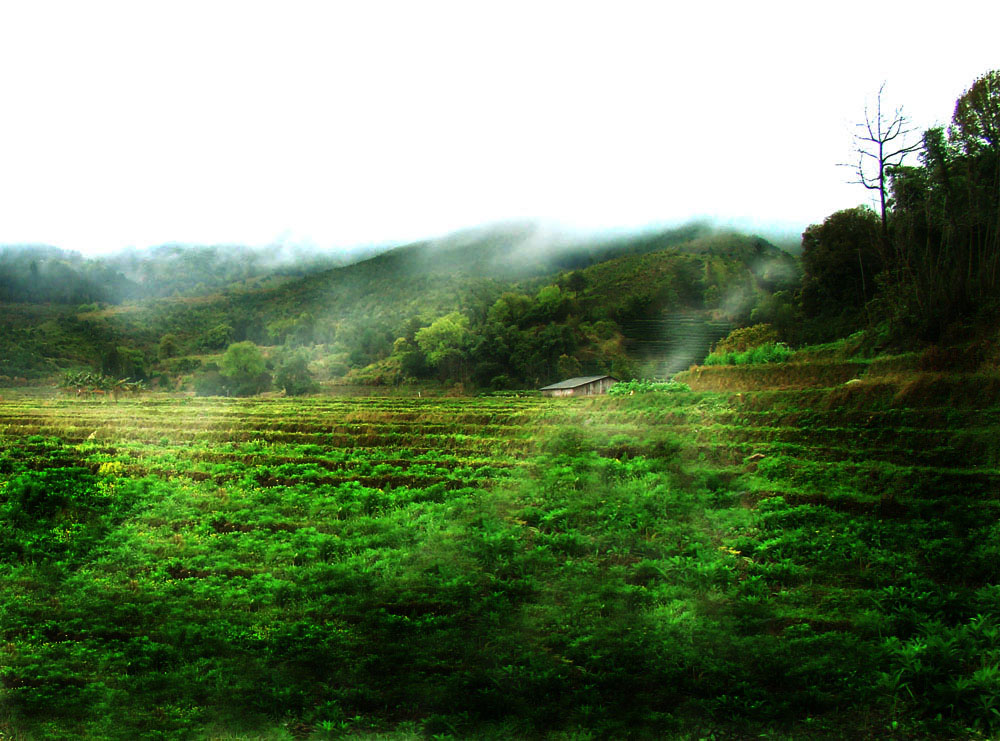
572 383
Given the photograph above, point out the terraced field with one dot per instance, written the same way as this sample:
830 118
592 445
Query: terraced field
806 563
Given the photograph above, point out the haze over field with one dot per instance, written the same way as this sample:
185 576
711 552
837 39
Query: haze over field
351 124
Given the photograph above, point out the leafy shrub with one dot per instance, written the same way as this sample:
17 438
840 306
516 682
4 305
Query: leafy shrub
501 382
749 346
775 352
662 444
747 338
944 669
52 514
567 441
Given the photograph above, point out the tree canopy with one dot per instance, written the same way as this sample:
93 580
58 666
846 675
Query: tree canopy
244 367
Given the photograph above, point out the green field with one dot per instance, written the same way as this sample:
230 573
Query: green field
801 563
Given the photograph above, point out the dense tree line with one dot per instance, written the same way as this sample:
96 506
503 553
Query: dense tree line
50 275
930 271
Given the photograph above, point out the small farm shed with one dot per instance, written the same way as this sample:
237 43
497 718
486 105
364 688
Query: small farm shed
583 386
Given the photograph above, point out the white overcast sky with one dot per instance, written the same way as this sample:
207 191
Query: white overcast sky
335 124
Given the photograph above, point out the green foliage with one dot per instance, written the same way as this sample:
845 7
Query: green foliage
944 237
551 303
58 514
168 347
244 369
840 259
568 366
447 334
217 337
780 311
85 380
182 365
242 358
51 275
931 271
88 382
747 338
771 352
645 386
124 361
294 331
976 121
523 319
211 383
293 375
749 346
43 340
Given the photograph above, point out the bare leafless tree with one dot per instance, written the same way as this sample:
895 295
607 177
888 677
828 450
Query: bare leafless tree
881 145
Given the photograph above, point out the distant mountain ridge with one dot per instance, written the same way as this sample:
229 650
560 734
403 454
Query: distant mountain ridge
46 274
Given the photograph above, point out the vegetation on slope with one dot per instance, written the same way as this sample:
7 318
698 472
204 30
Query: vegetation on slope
926 268
523 322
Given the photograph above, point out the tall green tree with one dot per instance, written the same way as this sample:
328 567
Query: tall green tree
169 346
293 374
245 369
445 343
975 125
946 219
840 259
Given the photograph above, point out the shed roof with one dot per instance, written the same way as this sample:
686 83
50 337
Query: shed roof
572 383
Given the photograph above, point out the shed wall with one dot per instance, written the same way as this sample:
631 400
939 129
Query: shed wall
600 386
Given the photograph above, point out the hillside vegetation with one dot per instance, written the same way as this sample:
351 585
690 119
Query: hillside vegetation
495 308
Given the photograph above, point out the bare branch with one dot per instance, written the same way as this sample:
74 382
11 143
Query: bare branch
905 150
880 133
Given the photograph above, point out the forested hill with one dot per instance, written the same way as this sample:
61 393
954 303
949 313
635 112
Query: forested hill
46 274
501 255
508 306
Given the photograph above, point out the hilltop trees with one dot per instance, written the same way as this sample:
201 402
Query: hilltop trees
929 263
415 313
48 274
